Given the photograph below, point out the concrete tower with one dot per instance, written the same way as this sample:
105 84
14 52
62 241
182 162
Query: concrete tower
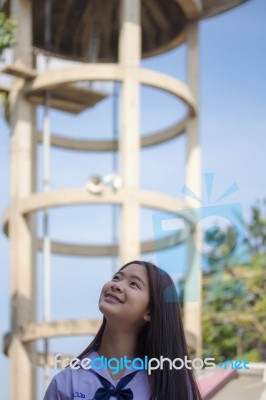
125 32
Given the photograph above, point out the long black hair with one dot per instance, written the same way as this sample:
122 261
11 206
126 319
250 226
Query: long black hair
163 336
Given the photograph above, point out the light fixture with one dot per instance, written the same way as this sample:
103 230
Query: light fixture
96 184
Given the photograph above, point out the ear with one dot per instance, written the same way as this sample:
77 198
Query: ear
147 316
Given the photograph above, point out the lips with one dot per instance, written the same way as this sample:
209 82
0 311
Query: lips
112 296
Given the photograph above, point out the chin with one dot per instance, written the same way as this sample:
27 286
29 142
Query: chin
103 307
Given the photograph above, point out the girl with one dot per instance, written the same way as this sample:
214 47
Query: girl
141 320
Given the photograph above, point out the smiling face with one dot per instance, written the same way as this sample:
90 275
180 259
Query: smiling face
126 296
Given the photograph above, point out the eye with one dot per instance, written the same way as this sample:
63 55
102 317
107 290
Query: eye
135 284
115 278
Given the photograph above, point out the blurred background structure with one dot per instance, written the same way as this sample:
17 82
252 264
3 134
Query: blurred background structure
110 38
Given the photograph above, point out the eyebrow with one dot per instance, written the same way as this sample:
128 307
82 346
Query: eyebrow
131 276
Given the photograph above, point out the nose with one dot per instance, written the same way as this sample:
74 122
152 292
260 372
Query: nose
117 287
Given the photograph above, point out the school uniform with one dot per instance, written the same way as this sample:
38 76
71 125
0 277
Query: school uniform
98 384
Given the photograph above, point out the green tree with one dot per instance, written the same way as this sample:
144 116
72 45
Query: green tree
7 32
257 228
234 313
7 40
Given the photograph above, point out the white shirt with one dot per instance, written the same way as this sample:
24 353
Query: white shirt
75 384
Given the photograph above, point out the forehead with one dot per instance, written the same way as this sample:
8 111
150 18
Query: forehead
137 270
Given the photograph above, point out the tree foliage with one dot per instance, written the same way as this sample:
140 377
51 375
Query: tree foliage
234 300
7 39
257 228
7 32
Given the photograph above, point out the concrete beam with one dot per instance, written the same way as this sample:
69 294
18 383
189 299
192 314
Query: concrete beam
192 8
67 197
112 72
112 145
193 283
22 230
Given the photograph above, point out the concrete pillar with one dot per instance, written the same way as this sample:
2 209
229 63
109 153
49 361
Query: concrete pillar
129 144
23 375
193 289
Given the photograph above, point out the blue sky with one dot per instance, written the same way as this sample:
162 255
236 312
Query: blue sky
232 128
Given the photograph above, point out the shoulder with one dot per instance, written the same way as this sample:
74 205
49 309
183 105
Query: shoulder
68 384
60 386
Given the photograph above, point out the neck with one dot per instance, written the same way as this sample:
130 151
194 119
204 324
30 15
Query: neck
117 343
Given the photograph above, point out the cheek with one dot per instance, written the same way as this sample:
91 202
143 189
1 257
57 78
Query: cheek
146 302
142 302
104 288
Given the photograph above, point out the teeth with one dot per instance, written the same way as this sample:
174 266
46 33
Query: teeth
114 297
